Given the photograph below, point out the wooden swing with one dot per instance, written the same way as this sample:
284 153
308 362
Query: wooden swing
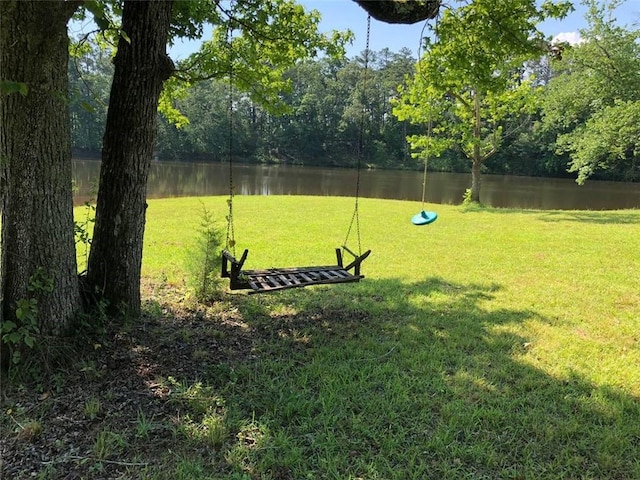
274 279
292 277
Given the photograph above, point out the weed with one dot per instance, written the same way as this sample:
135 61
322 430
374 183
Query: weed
58 381
21 335
30 431
152 309
187 469
49 472
90 370
199 398
211 430
92 408
108 444
185 335
200 354
144 426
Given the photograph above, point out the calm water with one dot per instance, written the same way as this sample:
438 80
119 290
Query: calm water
169 179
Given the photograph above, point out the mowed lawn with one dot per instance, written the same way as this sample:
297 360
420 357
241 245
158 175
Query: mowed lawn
492 343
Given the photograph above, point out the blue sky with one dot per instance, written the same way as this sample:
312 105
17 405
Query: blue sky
346 14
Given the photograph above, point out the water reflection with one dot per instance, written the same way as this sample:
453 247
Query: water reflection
167 179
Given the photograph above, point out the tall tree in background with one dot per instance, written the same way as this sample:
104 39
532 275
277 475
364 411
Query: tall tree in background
469 81
90 75
39 272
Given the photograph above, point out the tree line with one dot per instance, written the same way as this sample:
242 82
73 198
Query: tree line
333 111
336 109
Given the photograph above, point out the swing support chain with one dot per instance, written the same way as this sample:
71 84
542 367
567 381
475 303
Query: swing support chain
355 218
284 278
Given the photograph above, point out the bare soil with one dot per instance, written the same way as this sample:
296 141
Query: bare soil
53 424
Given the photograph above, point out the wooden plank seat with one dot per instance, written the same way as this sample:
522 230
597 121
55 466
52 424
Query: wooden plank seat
273 279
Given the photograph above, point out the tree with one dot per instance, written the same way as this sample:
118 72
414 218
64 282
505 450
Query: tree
38 267
322 120
206 135
256 41
39 272
609 140
469 80
591 104
387 141
141 67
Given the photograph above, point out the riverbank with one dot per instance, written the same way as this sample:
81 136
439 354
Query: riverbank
187 179
490 344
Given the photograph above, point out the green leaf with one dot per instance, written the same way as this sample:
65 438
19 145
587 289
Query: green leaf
99 12
8 87
12 338
15 358
87 106
8 326
125 37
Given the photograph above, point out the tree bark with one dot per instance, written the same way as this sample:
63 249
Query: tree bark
477 154
141 67
35 154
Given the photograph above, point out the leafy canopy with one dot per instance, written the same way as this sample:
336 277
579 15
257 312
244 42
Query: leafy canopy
256 41
470 78
592 101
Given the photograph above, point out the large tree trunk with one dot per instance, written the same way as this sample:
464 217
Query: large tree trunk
35 152
141 67
476 177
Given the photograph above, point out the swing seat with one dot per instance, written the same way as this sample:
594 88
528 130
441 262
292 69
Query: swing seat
424 218
292 277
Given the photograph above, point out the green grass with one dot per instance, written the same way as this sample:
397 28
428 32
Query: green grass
491 344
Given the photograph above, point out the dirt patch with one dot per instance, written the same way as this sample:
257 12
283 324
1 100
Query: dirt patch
113 413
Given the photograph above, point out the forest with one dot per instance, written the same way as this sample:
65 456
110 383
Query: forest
582 113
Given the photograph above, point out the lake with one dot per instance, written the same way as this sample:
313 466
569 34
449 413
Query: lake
180 179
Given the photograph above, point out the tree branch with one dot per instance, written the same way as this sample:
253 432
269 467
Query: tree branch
401 11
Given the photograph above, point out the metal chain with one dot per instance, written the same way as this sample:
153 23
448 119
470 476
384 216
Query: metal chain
355 218
231 240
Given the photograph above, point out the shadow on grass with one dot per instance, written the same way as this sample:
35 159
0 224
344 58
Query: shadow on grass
586 216
592 217
383 379
421 380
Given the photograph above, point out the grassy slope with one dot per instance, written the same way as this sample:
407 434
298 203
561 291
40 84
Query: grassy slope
490 344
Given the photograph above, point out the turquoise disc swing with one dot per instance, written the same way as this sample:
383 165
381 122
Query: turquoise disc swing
425 217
